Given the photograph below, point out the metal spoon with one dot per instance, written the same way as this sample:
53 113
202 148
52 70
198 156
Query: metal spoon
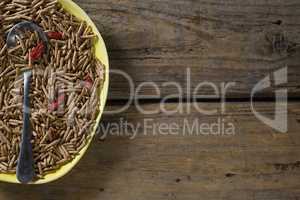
20 28
25 166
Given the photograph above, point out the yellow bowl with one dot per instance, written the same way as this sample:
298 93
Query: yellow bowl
101 54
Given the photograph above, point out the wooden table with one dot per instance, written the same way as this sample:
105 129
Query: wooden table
218 41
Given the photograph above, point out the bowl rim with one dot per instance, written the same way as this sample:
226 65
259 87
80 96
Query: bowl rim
102 55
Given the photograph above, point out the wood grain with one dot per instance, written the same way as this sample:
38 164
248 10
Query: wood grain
256 163
218 40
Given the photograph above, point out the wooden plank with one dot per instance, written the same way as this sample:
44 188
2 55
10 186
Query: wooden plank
219 41
255 163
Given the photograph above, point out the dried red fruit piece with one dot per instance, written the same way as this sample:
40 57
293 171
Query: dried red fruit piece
88 82
55 104
55 35
37 52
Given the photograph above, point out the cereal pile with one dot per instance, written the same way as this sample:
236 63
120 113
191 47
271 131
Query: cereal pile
65 86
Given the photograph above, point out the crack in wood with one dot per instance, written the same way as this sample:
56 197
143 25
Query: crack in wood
280 43
230 175
287 166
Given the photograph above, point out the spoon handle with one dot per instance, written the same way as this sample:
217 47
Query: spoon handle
25 167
